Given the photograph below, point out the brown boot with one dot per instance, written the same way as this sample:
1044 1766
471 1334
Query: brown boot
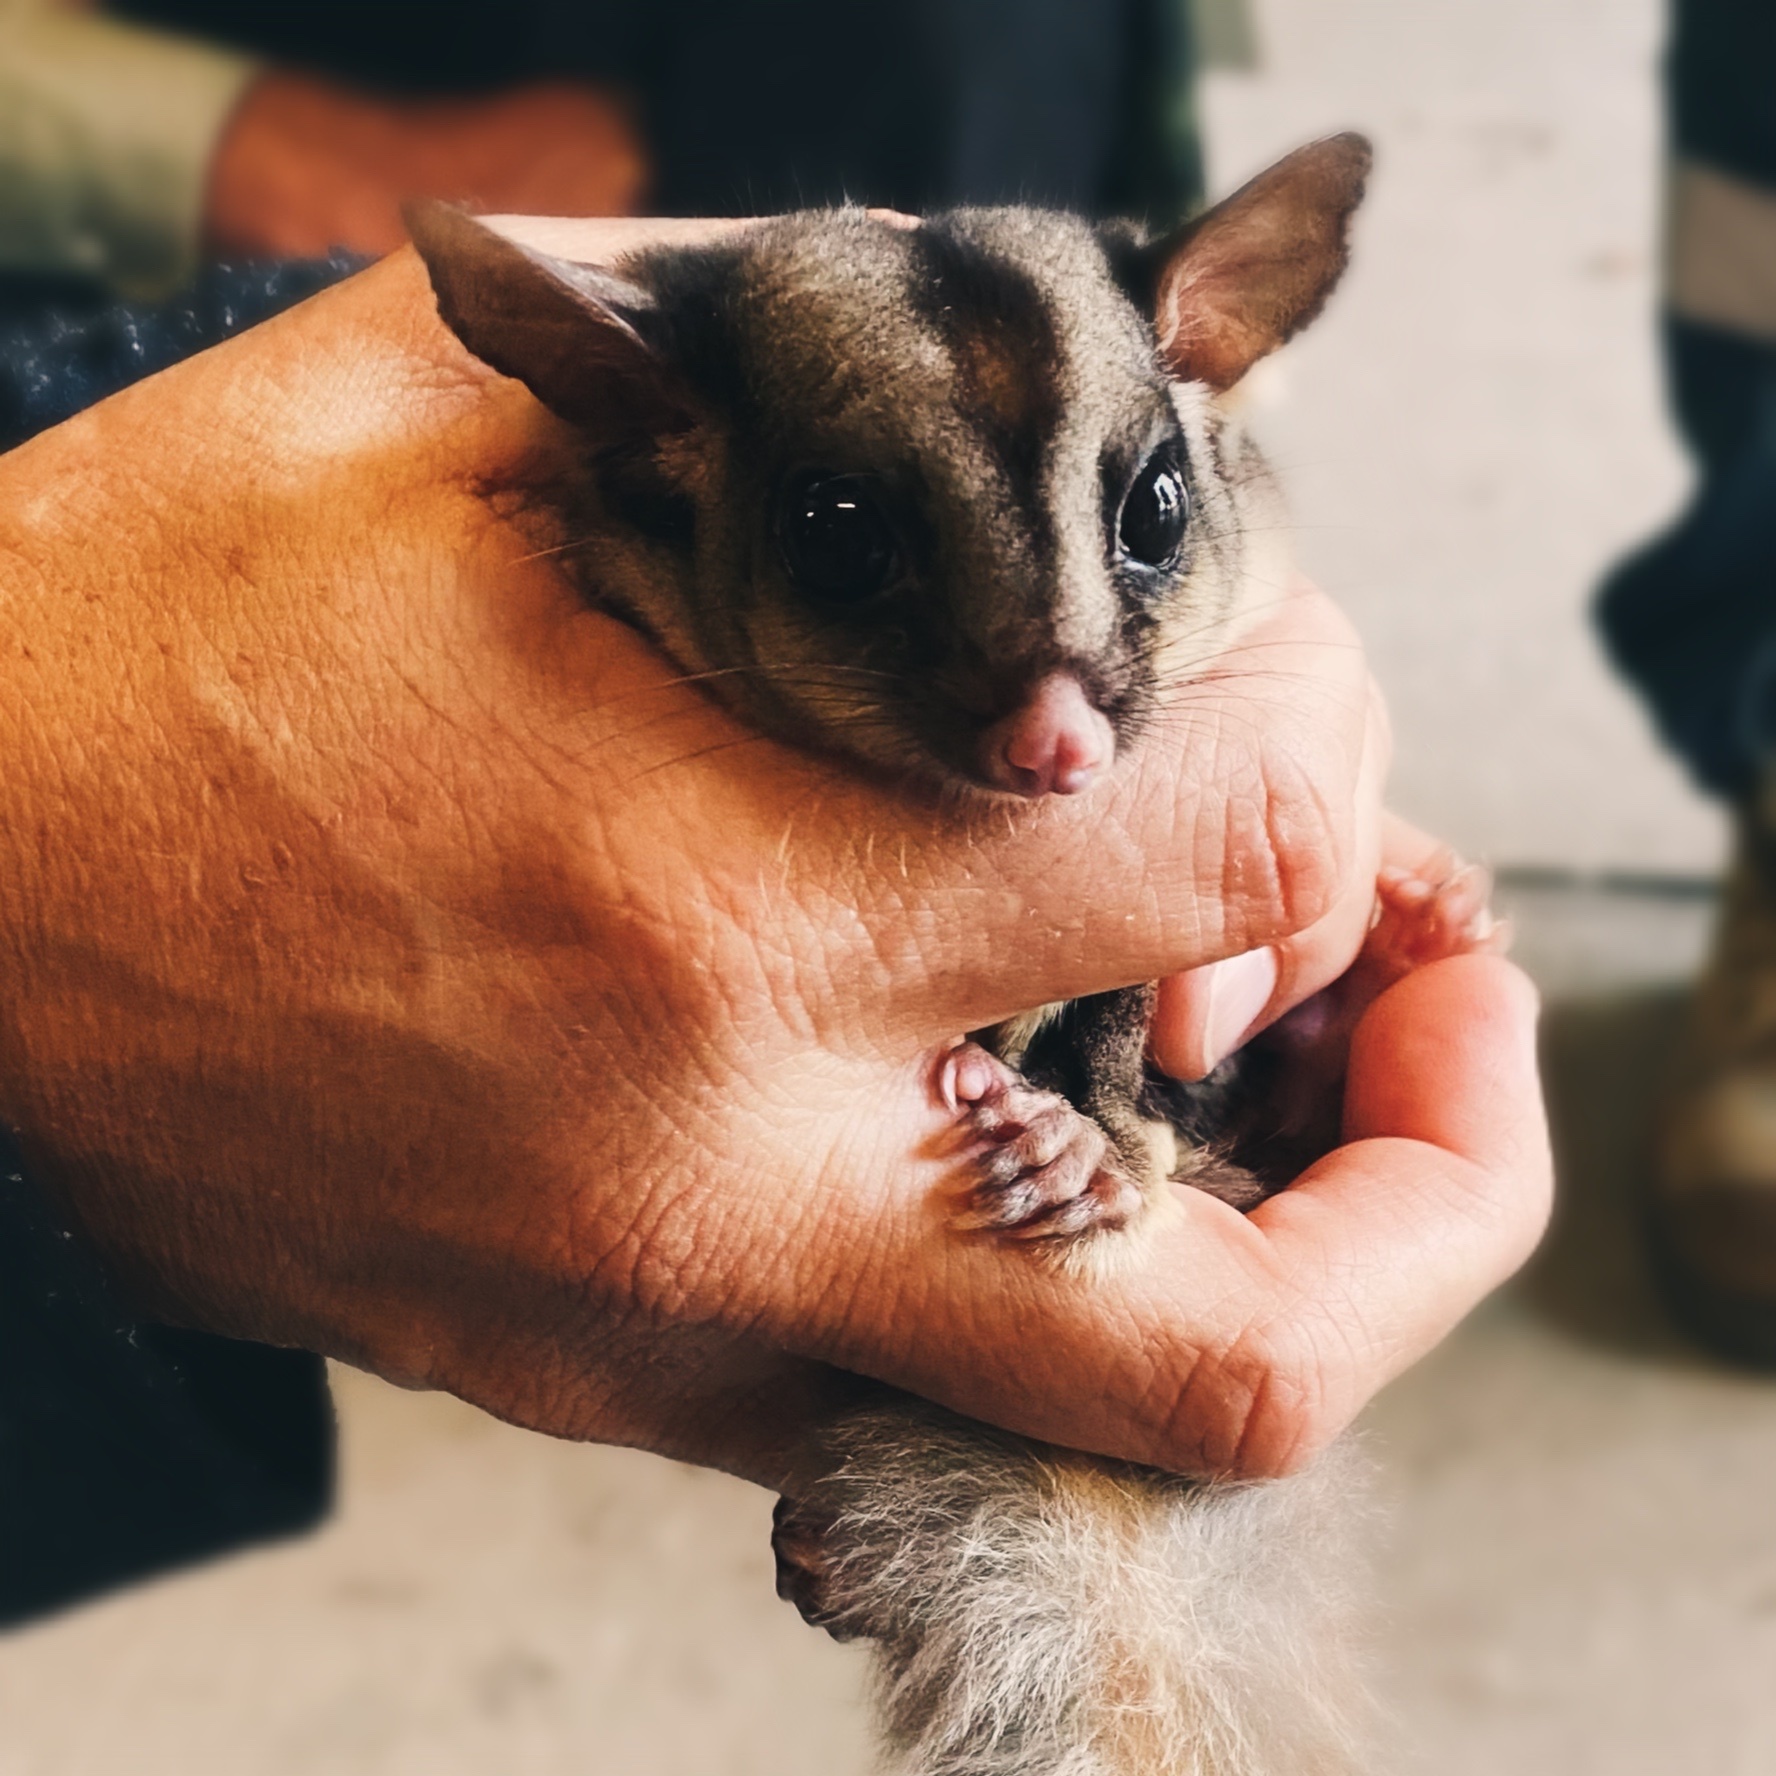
1714 1189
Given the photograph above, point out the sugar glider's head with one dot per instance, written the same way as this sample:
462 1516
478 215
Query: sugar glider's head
930 495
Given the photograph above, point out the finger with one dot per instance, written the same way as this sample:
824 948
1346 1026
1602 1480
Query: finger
1442 1187
1201 1016
1447 1056
1413 850
1314 958
1219 1343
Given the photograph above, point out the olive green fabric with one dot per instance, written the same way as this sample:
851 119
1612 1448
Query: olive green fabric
105 138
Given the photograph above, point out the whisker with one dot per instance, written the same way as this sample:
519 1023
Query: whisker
685 758
558 549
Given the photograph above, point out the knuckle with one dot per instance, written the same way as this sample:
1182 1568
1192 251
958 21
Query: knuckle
1264 1411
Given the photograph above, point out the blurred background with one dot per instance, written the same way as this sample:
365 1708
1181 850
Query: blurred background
1578 1570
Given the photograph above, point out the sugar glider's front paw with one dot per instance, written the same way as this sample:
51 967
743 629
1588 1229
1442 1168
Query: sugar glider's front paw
1439 910
1040 1169
1422 916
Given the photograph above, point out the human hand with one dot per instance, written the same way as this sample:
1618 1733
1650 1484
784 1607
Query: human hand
305 166
400 960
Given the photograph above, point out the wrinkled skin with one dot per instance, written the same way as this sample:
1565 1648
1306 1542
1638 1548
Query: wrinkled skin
395 960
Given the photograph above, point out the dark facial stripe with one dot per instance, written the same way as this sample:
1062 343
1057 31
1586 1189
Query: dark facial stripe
693 327
1006 350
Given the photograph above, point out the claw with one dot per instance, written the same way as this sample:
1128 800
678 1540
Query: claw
1426 917
1041 1170
969 1075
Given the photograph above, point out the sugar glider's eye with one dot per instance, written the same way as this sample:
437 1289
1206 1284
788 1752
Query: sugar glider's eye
1155 510
838 543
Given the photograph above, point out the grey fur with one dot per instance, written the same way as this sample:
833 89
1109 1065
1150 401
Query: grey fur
818 339
1041 1613
1001 376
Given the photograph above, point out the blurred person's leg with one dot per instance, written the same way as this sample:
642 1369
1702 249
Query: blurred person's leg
1692 620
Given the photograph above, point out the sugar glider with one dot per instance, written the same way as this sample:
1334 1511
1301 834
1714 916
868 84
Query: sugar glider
955 502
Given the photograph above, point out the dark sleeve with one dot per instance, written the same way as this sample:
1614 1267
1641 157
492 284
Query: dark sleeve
60 352
126 1449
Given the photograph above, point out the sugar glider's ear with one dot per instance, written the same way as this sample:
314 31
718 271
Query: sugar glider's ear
572 334
1236 282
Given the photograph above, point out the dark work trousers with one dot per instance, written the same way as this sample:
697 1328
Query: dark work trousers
125 1448
1691 618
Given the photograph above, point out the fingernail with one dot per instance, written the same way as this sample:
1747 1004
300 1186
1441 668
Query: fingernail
1239 990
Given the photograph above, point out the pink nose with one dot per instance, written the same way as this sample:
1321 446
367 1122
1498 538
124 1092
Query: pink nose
1056 744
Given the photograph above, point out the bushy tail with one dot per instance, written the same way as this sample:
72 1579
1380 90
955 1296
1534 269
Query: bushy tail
1042 1613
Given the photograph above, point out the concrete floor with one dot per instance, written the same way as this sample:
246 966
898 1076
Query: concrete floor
1580 1569
1582 1566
